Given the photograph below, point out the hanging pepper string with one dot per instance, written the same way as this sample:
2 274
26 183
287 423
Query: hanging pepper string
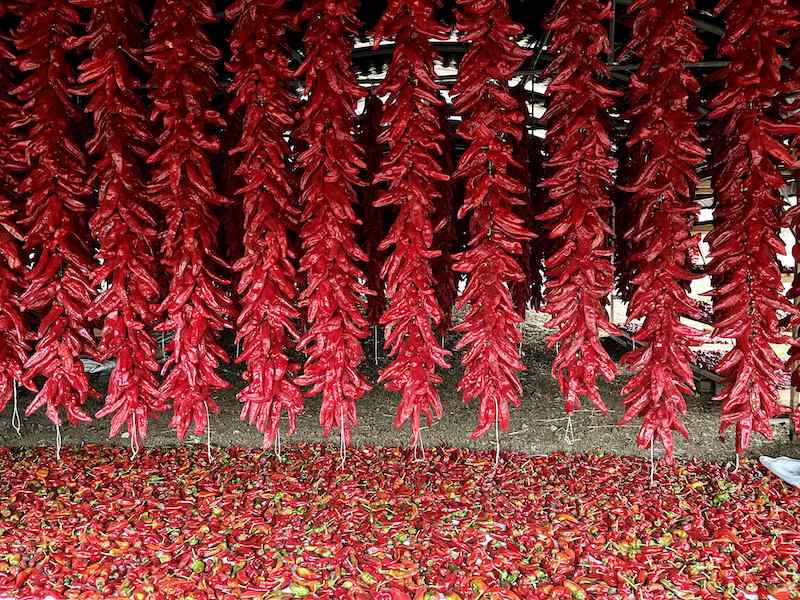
198 306
413 173
492 123
578 181
335 292
59 285
745 242
13 326
664 149
267 324
123 224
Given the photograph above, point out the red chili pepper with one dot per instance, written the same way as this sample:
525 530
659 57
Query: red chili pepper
579 177
414 173
334 295
13 328
197 308
745 242
267 286
123 223
492 123
55 190
660 211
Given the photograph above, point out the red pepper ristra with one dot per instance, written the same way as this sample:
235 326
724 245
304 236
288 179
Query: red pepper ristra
578 181
745 243
334 296
666 149
13 327
414 174
59 285
123 224
492 124
446 235
267 324
197 307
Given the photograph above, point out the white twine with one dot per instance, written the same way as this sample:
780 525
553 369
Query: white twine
277 444
375 344
238 345
496 434
652 465
134 438
736 463
16 423
208 432
58 442
342 445
569 433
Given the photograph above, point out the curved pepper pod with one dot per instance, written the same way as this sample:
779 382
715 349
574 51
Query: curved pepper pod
578 181
747 150
660 182
413 170
123 224
13 328
59 285
196 308
266 326
334 295
492 125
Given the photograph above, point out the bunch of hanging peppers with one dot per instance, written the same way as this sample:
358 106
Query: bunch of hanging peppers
59 285
664 139
196 308
578 180
267 324
13 327
334 296
492 125
745 243
123 224
414 174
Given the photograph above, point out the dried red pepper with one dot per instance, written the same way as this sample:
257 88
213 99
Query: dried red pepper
60 283
492 125
579 178
123 224
197 307
334 296
413 170
267 324
745 242
667 148
13 327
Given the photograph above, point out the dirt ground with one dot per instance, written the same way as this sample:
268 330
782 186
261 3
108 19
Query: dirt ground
537 427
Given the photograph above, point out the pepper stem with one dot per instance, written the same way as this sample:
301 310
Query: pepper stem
16 423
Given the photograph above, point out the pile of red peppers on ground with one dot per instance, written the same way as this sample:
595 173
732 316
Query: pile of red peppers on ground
169 524
111 197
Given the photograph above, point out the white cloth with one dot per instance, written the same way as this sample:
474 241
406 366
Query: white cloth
787 469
